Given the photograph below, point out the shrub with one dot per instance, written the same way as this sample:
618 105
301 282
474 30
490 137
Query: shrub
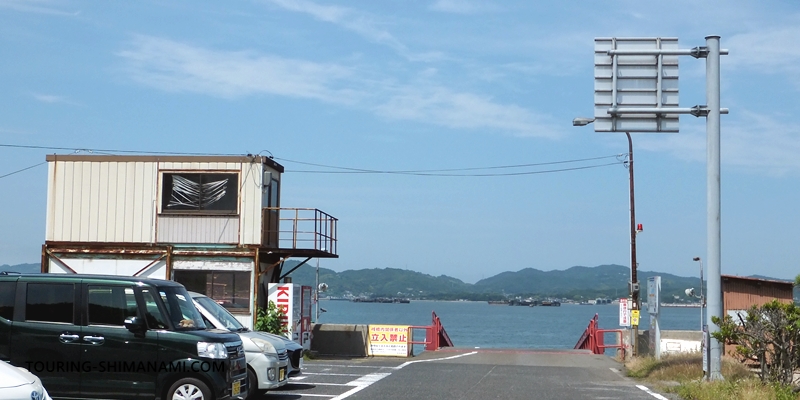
271 319
769 336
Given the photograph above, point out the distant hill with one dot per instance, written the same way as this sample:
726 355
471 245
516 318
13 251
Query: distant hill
577 283
769 278
21 268
604 281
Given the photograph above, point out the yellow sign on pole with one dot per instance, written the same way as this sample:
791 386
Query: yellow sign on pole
389 340
635 317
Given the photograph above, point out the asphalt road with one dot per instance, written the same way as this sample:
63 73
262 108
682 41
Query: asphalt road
467 374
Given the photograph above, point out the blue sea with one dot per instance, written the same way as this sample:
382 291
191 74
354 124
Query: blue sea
479 324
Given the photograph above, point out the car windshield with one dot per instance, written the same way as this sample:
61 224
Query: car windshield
181 310
221 314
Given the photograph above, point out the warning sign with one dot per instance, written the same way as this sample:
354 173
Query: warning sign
388 340
624 312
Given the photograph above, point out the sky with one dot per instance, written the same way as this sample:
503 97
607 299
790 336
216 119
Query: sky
438 132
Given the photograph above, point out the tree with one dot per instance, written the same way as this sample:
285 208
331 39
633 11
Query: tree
271 319
768 335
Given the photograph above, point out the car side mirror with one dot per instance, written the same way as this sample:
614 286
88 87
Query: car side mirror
135 325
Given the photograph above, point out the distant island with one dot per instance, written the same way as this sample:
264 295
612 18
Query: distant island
576 284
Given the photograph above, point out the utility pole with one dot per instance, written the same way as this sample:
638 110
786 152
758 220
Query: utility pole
634 287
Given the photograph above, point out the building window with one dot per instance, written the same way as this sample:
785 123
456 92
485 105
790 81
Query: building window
231 289
208 193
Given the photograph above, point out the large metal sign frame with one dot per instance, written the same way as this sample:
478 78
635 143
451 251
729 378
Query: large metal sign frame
615 112
642 81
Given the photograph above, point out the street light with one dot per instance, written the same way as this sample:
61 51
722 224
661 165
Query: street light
634 283
702 299
316 291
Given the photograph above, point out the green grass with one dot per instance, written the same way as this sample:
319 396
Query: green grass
682 373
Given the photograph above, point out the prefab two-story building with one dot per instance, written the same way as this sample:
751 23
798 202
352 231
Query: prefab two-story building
213 223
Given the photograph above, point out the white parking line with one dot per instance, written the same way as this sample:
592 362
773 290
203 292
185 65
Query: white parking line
401 366
364 381
329 374
651 393
367 380
361 384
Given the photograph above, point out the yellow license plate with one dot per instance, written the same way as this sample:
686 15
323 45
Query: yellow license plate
281 374
237 388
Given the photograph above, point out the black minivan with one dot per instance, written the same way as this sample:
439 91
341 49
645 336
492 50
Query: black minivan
96 336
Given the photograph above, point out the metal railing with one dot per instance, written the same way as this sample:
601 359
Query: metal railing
299 228
435 335
593 339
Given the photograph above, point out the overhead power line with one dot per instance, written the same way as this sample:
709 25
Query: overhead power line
24 169
447 172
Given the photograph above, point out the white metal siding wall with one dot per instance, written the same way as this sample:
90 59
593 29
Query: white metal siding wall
195 229
250 203
101 201
110 266
118 202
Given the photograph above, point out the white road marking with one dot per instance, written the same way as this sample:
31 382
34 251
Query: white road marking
329 374
651 393
368 379
361 384
401 366
297 378
365 381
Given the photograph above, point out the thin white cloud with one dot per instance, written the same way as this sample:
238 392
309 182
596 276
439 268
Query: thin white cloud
51 99
359 22
756 142
48 7
179 67
348 18
444 107
462 6
773 50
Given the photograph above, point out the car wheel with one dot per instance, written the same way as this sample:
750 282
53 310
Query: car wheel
189 389
252 385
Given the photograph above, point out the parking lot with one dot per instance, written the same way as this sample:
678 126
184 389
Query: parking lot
337 378
466 374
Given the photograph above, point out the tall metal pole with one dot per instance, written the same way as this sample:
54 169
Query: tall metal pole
634 280
713 257
702 299
316 294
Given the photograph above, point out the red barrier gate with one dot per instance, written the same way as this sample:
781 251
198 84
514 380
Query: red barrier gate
435 335
592 339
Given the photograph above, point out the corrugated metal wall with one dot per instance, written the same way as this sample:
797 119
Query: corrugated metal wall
198 229
741 294
101 202
117 202
250 203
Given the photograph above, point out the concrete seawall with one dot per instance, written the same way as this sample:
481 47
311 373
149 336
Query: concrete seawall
351 340
342 340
